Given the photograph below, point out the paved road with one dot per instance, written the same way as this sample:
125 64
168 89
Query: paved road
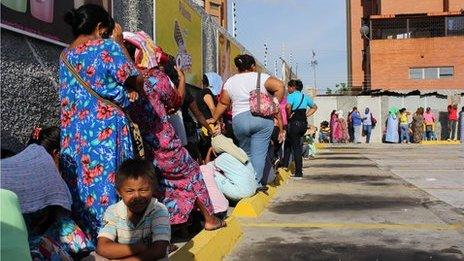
365 203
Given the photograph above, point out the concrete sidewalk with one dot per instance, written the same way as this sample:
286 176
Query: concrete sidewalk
353 205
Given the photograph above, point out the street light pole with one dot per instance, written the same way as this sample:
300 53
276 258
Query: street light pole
365 32
313 64
234 19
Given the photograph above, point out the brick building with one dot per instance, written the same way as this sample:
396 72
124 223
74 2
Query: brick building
216 8
405 44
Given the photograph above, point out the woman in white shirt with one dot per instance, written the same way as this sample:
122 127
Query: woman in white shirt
252 132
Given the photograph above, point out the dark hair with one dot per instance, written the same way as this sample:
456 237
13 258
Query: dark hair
133 169
6 153
48 137
205 80
244 62
171 72
130 49
420 110
299 85
292 83
86 18
402 110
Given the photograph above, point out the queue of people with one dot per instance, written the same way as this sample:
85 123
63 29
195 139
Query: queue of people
129 165
350 129
403 126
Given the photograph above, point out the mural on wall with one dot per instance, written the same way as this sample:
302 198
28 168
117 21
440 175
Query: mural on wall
235 50
43 19
178 31
224 56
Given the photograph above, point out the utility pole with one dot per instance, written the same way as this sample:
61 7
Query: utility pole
313 64
234 19
275 68
265 55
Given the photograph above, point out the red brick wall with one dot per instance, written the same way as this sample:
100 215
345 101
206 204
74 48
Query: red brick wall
456 5
355 44
389 7
391 60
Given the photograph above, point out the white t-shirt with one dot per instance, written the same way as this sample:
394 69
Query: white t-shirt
239 87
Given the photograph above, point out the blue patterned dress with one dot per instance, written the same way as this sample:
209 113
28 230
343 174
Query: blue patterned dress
95 137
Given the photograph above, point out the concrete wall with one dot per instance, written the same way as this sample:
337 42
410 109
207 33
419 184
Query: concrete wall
392 59
379 107
29 70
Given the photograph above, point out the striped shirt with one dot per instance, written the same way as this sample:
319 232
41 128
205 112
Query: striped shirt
154 225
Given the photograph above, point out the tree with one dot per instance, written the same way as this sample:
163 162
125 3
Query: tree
341 88
328 91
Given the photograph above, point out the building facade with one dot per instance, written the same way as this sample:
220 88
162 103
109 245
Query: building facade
216 8
405 45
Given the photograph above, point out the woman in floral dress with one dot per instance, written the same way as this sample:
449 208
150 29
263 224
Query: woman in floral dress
95 137
180 176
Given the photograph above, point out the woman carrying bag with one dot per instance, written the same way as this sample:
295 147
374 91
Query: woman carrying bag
253 96
97 81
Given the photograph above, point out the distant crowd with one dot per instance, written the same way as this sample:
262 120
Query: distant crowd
401 126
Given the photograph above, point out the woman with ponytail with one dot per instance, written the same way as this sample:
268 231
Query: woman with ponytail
95 74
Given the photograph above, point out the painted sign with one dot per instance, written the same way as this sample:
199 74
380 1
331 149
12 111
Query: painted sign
178 32
223 56
43 19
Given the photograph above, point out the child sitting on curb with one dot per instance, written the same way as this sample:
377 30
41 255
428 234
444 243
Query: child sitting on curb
137 227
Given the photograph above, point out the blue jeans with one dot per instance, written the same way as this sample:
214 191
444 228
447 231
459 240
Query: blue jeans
404 131
254 135
368 131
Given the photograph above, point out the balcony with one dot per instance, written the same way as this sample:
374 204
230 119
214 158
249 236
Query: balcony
417 27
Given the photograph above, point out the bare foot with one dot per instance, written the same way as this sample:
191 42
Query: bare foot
217 224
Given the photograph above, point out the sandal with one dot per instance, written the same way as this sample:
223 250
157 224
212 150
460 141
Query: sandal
263 189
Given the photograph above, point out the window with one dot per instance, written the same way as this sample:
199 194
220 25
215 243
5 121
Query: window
430 73
446 72
215 6
415 74
455 25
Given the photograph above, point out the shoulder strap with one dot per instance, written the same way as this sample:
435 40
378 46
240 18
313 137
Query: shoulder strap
302 98
85 84
258 89
258 81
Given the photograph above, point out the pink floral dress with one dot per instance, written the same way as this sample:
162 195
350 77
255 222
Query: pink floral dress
181 180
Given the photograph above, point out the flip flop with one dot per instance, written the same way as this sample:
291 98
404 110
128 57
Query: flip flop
221 224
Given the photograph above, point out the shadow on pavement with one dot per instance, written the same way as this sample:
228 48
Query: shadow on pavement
344 158
340 202
340 165
346 178
276 248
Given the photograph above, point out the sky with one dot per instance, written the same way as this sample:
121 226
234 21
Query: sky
300 26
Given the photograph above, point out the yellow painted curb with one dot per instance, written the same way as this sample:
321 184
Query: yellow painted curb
210 245
321 145
440 142
253 207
